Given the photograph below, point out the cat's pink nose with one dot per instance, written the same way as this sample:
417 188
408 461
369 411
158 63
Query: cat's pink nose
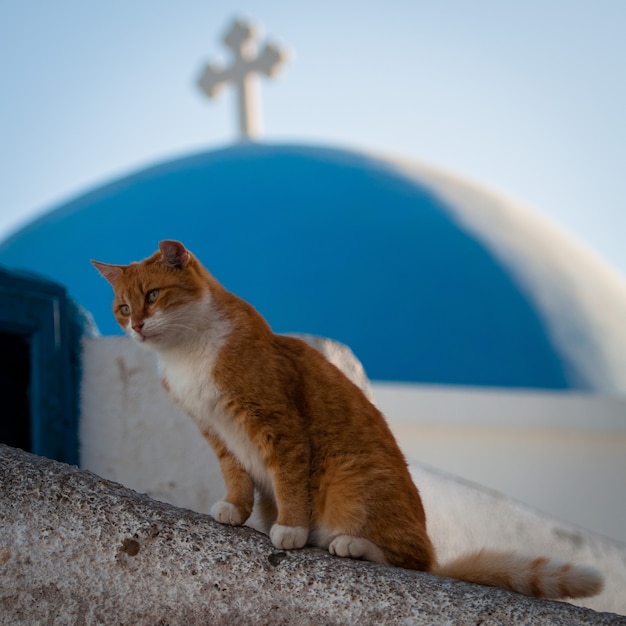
138 327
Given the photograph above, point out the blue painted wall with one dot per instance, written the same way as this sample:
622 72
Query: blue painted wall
322 241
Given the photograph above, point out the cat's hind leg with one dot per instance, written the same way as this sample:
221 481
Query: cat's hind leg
372 515
356 548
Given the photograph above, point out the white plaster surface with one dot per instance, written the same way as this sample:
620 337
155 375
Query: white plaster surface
564 453
130 432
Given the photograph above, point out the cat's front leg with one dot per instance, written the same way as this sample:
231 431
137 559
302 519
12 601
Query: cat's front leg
289 537
237 505
289 468
225 512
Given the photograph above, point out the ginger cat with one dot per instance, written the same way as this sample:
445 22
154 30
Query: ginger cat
286 423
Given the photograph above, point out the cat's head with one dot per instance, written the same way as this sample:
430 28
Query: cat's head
161 300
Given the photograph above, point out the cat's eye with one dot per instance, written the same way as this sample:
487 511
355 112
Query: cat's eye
125 310
151 296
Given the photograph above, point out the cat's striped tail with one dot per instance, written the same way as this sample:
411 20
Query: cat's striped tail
539 577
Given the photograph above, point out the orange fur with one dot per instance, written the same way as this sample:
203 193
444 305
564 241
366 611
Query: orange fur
286 423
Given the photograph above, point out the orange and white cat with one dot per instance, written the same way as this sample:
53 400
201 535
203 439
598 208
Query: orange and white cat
287 424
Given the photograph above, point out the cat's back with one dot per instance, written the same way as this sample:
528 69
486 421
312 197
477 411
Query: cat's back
337 408
288 377
321 380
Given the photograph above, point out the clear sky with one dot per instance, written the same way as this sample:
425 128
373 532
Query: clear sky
528 98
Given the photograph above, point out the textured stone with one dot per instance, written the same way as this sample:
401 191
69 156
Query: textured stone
78 549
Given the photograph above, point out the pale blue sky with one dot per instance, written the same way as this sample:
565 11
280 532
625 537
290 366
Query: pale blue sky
528 97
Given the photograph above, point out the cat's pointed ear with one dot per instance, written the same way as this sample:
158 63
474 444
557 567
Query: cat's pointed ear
174 254
111 272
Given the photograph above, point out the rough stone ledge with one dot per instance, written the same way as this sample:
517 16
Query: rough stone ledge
78 549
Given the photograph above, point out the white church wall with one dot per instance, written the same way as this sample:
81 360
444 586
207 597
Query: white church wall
132 433
563 453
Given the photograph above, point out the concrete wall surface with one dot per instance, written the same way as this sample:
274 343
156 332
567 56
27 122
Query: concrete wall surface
78 549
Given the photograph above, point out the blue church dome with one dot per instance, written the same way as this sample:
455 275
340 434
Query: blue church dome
426 277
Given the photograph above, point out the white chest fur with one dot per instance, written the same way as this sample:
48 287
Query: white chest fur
190 381
189 376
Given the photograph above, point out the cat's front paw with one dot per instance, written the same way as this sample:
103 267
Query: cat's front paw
226 513
288 537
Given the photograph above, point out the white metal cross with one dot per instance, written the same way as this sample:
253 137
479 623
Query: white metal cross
243 73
